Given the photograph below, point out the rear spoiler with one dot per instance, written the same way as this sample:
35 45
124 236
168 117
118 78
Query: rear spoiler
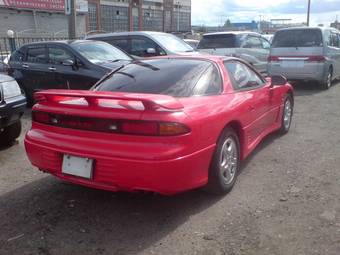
149 101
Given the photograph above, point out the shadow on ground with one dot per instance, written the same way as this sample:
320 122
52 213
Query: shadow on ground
309 88
51 217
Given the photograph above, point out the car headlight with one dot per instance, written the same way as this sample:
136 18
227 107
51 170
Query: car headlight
10 89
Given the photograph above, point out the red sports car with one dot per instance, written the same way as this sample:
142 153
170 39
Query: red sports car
163 125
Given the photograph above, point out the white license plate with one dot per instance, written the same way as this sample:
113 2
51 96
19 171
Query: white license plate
293 64
77 166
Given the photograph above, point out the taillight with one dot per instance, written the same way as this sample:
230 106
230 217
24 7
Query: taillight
41 117
172 129
316 59
139 128
147 128
273 59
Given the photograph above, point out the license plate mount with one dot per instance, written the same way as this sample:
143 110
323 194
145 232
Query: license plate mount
77 166
292 64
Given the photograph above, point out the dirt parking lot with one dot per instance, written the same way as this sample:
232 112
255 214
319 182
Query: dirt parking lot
286 201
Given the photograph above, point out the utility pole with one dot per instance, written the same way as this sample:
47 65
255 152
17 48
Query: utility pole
71 18
178 6
308 13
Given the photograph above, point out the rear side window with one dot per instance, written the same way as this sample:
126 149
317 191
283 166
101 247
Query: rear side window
36 55
242 77
253 42
219 41
298 38
174 77
140 45
120 43
58 55
18 55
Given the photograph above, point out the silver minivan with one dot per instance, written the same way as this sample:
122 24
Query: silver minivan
306 54
249 46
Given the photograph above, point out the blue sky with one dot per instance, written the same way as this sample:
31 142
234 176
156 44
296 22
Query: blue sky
214 12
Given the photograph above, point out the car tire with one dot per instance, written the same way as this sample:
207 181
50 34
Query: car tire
287 114
10 133
225 163
29 98
325 85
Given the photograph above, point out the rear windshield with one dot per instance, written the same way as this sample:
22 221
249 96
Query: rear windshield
219 41
298 38
174 77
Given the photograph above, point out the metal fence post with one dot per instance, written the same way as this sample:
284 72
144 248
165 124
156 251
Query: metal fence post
11 39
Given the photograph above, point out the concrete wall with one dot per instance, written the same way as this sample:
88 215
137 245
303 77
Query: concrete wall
45 23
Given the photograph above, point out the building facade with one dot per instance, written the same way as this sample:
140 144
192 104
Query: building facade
41 18
134 15
46 18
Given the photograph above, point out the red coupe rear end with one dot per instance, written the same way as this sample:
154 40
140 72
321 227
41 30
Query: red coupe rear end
163 125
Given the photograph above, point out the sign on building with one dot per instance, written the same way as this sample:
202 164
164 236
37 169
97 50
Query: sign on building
44 5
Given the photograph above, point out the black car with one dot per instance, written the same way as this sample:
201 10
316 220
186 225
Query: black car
12 107
76 64
146 44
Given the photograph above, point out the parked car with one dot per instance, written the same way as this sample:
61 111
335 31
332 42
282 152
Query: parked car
249 46
306 54
75 64
12 107
269 37
165 125
193 43
146 44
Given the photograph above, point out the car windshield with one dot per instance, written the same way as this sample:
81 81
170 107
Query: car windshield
174 77
218 41
99 52
172 43
297 38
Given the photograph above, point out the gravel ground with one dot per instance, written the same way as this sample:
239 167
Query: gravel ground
286 201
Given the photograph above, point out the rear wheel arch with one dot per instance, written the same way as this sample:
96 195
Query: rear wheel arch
237 128
291 94
331 69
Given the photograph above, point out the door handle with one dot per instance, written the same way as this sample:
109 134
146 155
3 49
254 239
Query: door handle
25 66
52 69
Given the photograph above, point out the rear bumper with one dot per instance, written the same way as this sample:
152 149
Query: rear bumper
166 177
310 72
11 111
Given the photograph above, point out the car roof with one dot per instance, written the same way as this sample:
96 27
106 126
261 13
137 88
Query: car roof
62 42
4 78
233 33
145 33
213 58
308 28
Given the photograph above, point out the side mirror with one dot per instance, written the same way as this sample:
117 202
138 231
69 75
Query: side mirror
278 80
68 62
151 51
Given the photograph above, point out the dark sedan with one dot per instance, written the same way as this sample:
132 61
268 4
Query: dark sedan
73 64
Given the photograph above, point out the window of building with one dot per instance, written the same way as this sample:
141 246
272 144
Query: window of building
114 19
92 15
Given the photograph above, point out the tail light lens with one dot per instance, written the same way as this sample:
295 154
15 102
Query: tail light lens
273 59
316 59
146 128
